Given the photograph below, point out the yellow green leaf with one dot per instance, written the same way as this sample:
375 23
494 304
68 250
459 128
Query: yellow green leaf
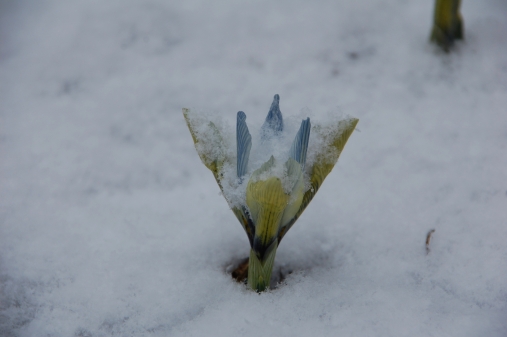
325 160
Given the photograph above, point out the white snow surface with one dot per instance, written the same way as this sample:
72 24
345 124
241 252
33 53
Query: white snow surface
111 226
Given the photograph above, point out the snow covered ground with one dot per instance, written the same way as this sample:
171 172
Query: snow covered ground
110 224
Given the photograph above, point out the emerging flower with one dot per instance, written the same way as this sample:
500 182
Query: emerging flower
267 197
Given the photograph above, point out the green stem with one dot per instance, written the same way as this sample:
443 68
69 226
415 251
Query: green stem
259 273
447 23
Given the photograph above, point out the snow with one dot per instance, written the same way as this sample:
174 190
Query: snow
111 225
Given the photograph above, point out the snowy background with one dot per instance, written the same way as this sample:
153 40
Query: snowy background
111 225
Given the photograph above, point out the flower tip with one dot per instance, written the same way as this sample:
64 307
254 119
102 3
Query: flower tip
241 115
274 120
276 103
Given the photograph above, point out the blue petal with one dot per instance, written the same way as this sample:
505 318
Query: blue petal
274 120
244 143
300 144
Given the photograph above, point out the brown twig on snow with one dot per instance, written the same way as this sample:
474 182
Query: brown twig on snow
428 238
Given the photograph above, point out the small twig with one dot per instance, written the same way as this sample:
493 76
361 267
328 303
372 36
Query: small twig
428 238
